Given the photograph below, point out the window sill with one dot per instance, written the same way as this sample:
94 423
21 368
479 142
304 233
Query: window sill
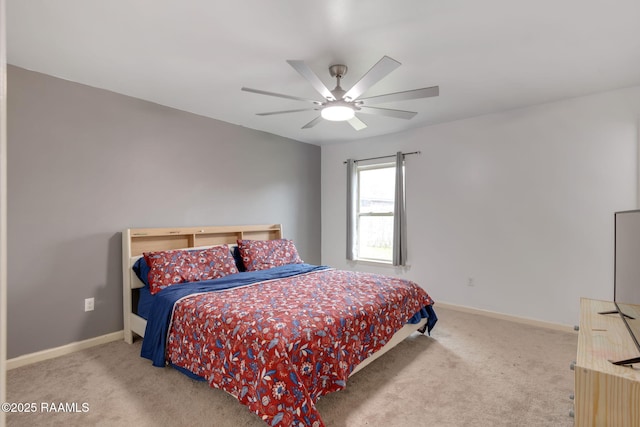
375 263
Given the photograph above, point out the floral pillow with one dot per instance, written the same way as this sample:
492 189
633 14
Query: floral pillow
210 263
265 254
168 268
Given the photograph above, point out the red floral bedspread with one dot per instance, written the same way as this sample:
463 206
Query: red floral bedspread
277 346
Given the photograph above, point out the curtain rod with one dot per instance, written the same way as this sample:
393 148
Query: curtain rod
384 157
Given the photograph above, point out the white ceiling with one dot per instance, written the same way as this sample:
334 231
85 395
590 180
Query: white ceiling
195 55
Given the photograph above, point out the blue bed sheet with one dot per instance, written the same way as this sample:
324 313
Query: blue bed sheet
145 302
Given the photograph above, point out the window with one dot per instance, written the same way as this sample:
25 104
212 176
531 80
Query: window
374 212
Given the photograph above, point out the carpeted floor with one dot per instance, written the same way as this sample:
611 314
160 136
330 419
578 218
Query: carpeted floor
473 370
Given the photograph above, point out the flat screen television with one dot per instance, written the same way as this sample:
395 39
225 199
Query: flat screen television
626 277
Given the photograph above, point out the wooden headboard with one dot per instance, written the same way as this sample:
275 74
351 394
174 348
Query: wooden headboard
136 241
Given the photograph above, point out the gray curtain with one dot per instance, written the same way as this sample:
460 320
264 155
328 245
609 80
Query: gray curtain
399 216
352 199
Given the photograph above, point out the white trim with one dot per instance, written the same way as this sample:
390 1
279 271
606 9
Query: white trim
508 317
359 215
372 262
51 353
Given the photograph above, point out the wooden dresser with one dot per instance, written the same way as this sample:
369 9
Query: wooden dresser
606 394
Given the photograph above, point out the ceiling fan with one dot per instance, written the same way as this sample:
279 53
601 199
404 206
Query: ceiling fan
341 105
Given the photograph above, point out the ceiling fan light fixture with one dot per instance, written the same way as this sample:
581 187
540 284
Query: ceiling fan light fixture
338 111
340 105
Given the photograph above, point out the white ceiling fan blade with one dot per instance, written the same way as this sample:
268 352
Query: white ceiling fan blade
284 112
312 78
402 96
280 95
356 123
312 123
398 114
375 74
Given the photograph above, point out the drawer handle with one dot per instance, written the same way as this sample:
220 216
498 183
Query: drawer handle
572 366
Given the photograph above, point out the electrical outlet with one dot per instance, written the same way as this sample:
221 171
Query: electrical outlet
89 304
470 282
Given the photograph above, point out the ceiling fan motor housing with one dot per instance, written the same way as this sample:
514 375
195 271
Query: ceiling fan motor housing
338 70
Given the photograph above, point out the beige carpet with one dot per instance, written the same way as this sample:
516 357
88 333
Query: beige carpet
474 370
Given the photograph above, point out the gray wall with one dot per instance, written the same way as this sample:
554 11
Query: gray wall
85 163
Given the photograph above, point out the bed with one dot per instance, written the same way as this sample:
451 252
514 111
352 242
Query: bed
277 336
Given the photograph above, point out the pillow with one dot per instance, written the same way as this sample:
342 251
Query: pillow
265 254
164 269
141 268
210 263
238 258
168 268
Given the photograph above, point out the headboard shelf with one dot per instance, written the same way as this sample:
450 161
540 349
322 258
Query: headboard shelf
156 239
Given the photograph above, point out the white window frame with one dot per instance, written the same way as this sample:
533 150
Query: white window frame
359 214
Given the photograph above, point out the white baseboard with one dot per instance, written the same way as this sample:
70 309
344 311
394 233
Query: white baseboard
502 316
51 353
